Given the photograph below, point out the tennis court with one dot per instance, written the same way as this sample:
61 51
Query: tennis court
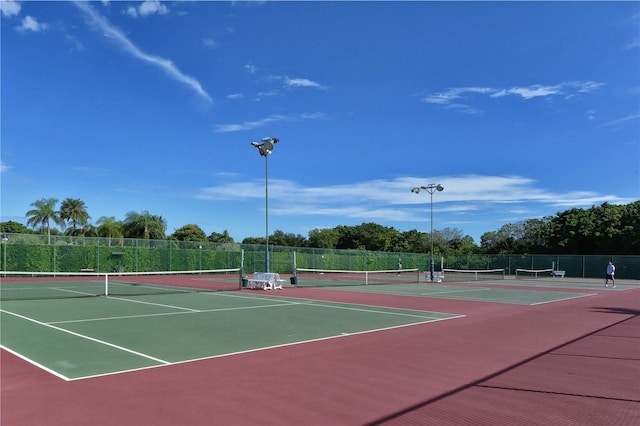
482 286
478 294
76 338
378 351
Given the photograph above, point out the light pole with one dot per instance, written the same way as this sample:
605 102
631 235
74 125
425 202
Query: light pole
431 189
265 148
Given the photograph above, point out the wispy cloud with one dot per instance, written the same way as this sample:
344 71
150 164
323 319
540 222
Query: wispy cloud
457 98
128 46
393 200
633 45
623 119
210 43
75 44
4 167
289 82
266 94
447 97
248 125
302 82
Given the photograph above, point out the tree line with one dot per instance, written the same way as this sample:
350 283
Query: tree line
603 229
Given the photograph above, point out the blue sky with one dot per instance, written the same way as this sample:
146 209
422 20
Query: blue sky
521 110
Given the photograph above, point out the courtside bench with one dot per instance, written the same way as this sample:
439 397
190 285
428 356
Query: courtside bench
557 274
438 276
265 281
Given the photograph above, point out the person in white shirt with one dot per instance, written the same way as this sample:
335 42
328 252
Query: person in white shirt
611 272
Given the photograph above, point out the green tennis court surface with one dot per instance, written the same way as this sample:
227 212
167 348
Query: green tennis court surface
481 294
568 283
85 337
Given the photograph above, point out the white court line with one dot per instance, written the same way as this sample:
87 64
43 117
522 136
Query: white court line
73 333
579 295
71 291
248 351
454 291
160 314
327 304
151 303
286 303
37 364
376 311
320 302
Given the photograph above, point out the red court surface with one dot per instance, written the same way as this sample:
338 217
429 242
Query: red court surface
574 362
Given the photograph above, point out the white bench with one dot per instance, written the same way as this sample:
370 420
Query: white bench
438 276
557 274
265 281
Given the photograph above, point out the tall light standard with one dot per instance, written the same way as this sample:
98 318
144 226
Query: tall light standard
431 189
265 148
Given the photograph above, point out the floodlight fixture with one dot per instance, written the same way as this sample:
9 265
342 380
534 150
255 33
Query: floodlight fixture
266 146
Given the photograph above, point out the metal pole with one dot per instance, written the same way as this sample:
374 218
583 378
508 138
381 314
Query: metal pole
431 189
432 267
266 202
265 149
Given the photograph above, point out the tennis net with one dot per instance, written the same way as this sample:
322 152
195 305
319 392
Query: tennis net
533 273
17 285
306 277
474 274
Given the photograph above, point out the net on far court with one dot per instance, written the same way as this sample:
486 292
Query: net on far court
473 274
307 277
522 274
61 285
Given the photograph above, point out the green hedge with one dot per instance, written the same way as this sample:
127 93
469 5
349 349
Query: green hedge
28 252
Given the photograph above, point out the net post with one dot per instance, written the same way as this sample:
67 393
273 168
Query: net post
106 284
241 267
295 262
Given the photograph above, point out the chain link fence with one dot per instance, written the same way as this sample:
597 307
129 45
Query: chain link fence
33 253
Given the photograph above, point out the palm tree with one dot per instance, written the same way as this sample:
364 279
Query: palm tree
43 214
109 227
75 211
144 225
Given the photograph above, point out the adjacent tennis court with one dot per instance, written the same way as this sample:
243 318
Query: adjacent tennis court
480 294
488 286
76 338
